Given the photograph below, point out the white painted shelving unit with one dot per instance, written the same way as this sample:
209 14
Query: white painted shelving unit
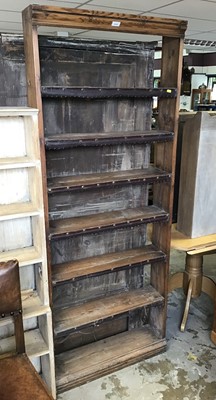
22 235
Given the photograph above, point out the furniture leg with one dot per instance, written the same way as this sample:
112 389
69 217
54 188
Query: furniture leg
187 305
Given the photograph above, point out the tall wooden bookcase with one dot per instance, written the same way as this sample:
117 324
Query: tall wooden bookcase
22 232
95 105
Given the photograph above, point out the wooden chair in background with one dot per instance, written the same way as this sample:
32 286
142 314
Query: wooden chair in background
18 378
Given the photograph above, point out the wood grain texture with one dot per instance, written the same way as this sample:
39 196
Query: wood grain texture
112 219
110 159
85 181
94 311
79 366
33 78
99 20
104 263
165 155
87 245
97 201
90 334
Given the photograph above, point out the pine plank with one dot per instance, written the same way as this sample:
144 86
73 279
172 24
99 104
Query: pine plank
100 20
95 222
35 344
17 162
104 263
68 140
76 367
192 245
18 210
68 319
32 304
146 175
25 256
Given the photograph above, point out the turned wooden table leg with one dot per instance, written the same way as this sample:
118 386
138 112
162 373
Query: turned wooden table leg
192 282
194 272
187 306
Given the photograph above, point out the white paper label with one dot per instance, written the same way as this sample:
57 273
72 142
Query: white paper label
116 23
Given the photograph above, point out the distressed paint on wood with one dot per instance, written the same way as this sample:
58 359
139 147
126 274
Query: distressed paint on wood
95 160
100 286
89 245
90 334
100 20
97 201
75 317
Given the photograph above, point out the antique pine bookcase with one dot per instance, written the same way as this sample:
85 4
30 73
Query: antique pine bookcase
108 244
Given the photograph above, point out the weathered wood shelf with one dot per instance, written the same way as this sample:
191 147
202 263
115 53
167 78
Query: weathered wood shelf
70 140
95 311
81 365
17 162
107 262
107 220
26 256
32 306
88 181
18 210
106 93
35 344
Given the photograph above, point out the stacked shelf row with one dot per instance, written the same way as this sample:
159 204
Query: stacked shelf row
127 304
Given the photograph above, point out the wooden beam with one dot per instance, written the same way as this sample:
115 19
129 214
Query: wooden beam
165 155
31 49
105 21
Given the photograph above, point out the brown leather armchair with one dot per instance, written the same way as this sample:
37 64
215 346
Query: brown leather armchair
18 378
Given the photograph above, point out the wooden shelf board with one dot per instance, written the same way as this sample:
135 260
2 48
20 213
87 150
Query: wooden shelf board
75 317
17 210
17 162
68 140
35 344
106 220
76 367
106 92
192 245
25 256
17 111
32 304
104 263
85 181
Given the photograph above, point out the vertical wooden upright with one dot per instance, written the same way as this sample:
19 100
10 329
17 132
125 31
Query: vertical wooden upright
96 140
